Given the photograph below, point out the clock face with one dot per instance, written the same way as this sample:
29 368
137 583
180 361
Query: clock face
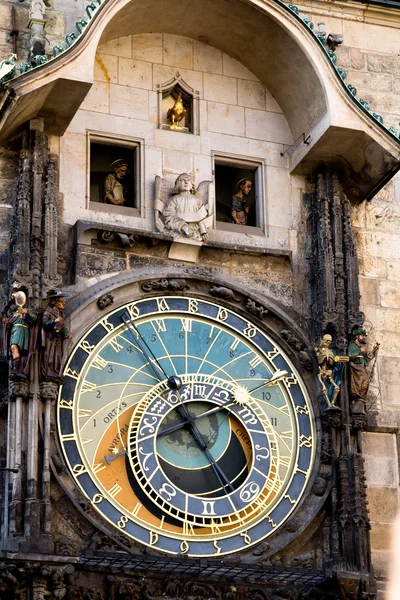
186 426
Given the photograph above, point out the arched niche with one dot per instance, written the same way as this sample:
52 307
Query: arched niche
168 93
268 39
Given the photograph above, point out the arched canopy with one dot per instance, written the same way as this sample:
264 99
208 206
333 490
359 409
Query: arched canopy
267 39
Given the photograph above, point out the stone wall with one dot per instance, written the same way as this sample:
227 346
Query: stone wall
238 117
370 55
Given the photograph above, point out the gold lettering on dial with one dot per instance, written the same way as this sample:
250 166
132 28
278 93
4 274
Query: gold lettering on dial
88 386
188 528
99 363
153 538
79 469
305 441
193 306
122 522
72 373
255 362
186 325
215 544
97 498
98 467
208 507
84 412
222 314
116 346
250 331
246 537
133 311
184 547
160 325
114 490
162 304
86 346
66 403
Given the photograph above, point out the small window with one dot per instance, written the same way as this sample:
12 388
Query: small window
238 194
114 178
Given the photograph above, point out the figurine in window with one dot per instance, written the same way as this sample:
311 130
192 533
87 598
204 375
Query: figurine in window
239 208
114 189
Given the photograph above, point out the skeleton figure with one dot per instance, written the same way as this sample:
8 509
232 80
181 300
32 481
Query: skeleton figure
330 370
183 211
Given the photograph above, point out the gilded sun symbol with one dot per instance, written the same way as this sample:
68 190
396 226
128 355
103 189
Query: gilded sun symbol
241 395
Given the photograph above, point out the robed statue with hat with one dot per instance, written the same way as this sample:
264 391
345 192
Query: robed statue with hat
54 334
20 334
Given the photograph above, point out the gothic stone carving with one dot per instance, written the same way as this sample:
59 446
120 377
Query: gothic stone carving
175 285
183 211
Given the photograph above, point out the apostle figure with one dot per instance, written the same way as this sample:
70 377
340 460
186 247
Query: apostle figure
360 357
54 333
239 208
20 334
114 189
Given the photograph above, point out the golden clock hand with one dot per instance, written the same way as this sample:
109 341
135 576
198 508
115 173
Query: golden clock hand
274 379
214 410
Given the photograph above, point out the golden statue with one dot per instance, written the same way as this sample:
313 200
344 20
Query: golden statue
176 113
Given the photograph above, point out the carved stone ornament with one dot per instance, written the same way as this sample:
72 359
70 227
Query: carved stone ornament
109 237
223 292
298 346
175 285
105 301
256 309
182 210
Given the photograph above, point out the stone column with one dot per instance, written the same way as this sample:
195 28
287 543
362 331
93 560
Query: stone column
19 393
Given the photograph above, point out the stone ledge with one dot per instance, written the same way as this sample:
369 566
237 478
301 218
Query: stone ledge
81 226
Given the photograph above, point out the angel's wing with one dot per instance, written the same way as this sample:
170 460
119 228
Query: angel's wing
205 191
162 194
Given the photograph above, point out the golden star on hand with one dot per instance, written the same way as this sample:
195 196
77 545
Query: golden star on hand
114 450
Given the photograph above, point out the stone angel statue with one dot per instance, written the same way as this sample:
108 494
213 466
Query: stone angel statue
183 211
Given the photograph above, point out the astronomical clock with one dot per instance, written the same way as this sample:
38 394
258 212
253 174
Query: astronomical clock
186 425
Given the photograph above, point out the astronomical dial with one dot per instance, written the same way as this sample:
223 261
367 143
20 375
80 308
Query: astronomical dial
186 426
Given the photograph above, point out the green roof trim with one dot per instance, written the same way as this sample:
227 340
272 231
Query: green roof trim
340 72
92 9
